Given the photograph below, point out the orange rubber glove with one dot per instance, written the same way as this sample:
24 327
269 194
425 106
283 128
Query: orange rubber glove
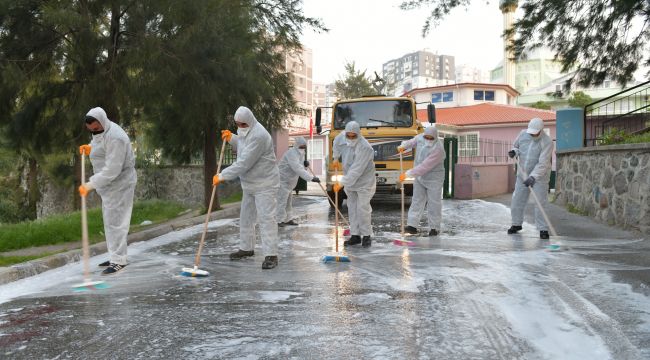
84 149
84 190
402 177
400 149
226 135
336 165
337 187
215 180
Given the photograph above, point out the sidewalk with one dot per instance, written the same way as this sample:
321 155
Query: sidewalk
74 253
567 223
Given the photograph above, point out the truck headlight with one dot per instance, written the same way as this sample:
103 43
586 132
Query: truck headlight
335 178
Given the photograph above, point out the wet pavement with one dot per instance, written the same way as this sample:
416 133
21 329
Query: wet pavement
471 293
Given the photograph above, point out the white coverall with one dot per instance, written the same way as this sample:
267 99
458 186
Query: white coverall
258 173
114 180
429 174
358 179
535 160
291 167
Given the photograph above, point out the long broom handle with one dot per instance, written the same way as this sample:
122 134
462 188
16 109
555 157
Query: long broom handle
336 214
330 199
401 171
197 259
523 176
84 223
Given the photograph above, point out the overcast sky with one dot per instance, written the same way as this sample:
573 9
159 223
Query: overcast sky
371 32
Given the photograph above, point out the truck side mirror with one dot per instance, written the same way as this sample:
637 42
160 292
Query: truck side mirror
431 113
319 128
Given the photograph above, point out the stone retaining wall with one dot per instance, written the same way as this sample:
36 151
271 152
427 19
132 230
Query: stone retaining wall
183 184
610 183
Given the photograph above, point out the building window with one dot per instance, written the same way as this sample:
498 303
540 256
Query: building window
487 95
468 144
448 96
436 97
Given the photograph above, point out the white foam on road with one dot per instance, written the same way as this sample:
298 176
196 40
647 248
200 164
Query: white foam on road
71 273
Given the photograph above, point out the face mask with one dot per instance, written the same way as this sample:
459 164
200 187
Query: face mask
242 131
351 142
301 151
428 143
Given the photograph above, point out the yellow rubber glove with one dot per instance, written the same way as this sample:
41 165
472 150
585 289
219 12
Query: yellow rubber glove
215 180
337 187
402 177
84 149
400 149
336 165
226 135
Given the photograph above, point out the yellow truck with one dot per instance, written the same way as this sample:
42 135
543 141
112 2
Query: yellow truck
385 122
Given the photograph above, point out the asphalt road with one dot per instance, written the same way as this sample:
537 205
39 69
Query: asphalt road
471 293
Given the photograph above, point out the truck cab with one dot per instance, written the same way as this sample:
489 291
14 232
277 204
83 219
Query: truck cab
385 122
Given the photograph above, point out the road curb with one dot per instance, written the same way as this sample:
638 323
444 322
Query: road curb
37 266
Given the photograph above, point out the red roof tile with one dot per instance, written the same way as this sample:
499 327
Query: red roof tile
487 113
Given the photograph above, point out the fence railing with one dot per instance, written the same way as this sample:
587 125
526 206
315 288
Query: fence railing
484 151
627 111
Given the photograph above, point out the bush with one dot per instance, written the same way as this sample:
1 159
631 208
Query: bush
617 136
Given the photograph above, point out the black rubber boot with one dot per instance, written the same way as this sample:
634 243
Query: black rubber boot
543 234
366 241
105 264
410 230
270 262
433 232
354 240
240 254
290 223
513 229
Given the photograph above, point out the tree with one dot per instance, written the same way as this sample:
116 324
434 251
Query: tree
600 38
580 99
207 59
355 84
541 105
57 60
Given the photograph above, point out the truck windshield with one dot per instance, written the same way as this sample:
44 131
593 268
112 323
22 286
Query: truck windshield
386 113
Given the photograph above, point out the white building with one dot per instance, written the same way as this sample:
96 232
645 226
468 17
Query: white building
466 73
464 94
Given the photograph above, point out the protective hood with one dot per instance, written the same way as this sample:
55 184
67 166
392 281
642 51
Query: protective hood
299 141
99 114
353 127
245 115
431 131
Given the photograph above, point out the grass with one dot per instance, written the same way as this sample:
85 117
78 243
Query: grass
576 210
66 227
232 198
11 260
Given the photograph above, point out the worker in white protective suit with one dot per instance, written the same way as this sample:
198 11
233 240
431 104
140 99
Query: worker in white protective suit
534 150
429 174
292 166
258 173
114 180
358 182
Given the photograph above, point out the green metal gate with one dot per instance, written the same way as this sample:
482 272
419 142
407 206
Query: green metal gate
451 148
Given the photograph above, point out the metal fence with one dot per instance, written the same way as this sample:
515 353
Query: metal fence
483 151
627 112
